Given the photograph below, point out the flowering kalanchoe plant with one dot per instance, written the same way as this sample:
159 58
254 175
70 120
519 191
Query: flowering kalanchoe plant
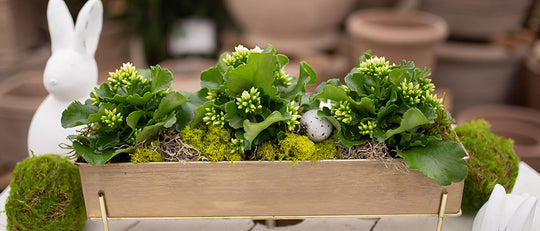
132 108
395 104
249 93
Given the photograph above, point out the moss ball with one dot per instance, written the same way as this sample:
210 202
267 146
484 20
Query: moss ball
46 194
492 161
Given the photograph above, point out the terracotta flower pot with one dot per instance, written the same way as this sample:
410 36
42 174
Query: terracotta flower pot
478 73
292 27
479 19
532 81
397 34
518 123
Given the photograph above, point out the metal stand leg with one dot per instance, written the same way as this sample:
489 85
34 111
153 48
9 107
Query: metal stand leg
444 198
103 207
271 223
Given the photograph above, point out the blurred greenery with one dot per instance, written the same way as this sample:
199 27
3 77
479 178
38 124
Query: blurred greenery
152 21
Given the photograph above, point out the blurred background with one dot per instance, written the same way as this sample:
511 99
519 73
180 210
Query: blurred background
484 54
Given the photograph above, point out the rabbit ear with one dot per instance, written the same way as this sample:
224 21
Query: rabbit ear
60 24
88 27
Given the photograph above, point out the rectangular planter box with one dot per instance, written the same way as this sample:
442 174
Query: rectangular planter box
263 189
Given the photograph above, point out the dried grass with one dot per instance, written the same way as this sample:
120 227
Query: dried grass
372 150
173 149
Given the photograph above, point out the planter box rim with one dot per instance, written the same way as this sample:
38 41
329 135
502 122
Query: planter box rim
242 161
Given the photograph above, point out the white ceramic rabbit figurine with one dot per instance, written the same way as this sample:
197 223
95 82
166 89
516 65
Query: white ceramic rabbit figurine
70 74
507 212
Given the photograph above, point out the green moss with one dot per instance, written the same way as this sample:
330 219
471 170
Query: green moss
296 147
45 194
213 141
268 151
193 136
144 154
327 149
492 161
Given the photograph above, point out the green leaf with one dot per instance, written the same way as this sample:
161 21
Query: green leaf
105 141
211 78
170 102
337 94
170 121
332 82
253 129
199 112
306 70
326 113
344 140
184 116
145 73
356 82
365 106
307 76
149 132
439 160
232 116
133 119
96 159
411 118
161 79
257 72
134 99
282 60
104 91
96 117
77 114
196 99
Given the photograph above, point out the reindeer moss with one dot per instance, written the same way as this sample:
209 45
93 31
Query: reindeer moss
492 161
45 194
213 141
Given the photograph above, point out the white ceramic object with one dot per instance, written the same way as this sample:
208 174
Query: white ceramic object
193 36
509 212
70 74
317 128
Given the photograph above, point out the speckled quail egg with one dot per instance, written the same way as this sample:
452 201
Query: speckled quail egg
316 128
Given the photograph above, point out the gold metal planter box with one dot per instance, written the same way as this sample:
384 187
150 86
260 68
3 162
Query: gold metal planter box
263 190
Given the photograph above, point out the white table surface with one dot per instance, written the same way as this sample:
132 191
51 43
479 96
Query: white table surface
528 181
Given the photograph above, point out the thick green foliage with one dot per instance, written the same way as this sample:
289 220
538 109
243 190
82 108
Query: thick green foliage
249 93
46 194
132 108
492 161
213 141
395 104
